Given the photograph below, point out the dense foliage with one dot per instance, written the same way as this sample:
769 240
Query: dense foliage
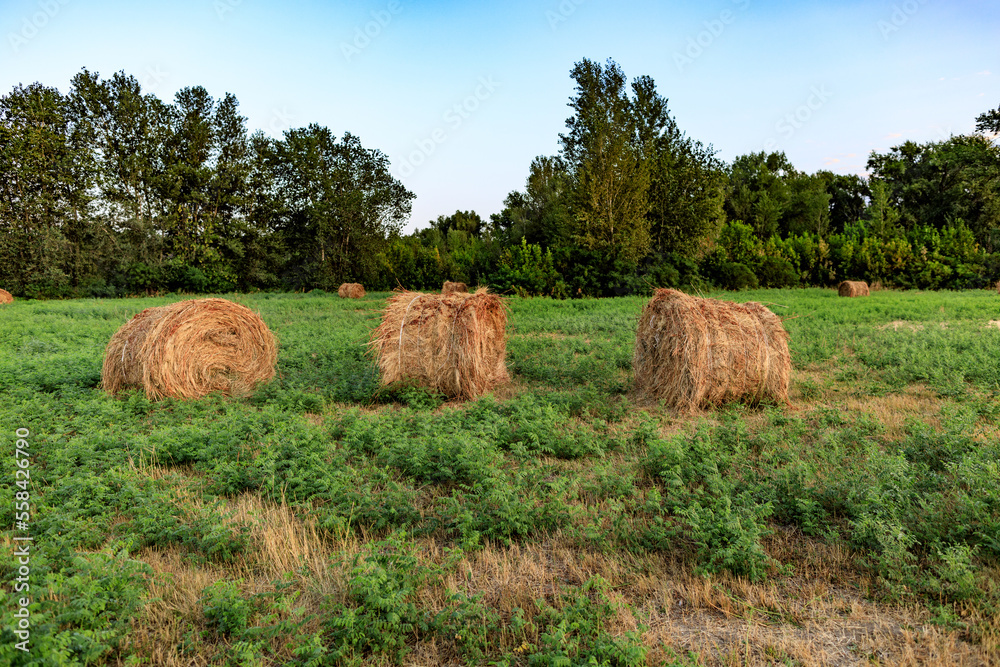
108 191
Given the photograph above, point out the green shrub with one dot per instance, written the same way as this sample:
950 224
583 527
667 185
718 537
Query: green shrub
735 276
777 272
225 610
728 536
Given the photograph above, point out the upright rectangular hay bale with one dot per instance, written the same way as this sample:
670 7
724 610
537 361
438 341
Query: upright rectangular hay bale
453 343
692 352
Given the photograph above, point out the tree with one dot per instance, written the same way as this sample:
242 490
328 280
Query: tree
44 192
989 121
227 185
808 208
188 226
848 196
466 222
603 151
540 215
127 131
768 193
337 205
942 184
881 215
758 192
686 194
254 237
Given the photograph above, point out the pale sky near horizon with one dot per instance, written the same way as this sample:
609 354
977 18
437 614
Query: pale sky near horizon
462 96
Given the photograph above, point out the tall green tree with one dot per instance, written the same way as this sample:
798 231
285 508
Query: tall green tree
338 205
808 208
603 151
44 191
686 187
227 186
127 131
541 213
188 225
757 192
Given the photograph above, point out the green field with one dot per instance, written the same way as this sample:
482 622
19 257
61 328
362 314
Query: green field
325 521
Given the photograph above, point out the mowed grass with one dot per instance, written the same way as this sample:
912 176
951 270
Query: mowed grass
325 520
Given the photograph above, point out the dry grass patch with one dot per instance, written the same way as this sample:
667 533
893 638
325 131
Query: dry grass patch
819 616
282 544
893 410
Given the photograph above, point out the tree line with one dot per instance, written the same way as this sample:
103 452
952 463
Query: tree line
108 191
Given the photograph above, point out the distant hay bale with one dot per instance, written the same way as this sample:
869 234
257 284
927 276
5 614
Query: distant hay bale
190 349
351 291
6 297
450 287
693 352
853 288
455 344
998 287
877 286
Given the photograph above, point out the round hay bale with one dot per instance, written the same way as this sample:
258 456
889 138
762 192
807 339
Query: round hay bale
190 349
455 344
693 352
998 287
450 287
6 297
351 291
853 288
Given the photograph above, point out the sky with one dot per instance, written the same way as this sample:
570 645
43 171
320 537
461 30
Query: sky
462 96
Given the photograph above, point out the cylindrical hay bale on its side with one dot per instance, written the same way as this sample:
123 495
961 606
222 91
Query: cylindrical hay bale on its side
853 288
6 297
998 287
455 344
450 287
190 349
351 291
693 352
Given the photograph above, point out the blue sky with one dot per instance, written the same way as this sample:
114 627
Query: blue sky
462 96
